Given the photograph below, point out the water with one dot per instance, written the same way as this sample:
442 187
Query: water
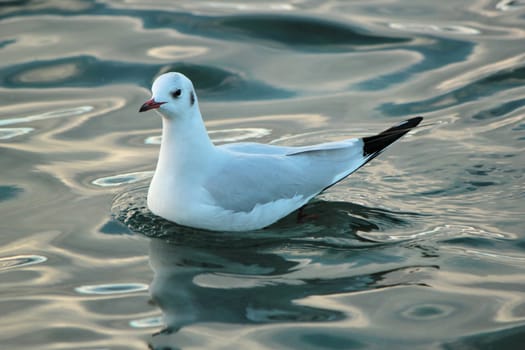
422 248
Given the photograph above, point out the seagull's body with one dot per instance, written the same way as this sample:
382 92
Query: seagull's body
241 186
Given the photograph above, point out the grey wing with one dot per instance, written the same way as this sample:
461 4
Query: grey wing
245 180
259 148
256 148
256 174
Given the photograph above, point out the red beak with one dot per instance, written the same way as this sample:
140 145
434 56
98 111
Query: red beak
150 104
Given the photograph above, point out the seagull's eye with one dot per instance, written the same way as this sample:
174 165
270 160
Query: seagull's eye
176 93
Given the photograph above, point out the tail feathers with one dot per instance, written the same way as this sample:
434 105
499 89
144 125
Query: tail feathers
374 145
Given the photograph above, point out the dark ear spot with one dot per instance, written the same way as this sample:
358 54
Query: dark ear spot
192 98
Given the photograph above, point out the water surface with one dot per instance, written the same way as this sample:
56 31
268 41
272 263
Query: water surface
422 248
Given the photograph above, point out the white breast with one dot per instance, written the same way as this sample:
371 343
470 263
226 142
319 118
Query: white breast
196 208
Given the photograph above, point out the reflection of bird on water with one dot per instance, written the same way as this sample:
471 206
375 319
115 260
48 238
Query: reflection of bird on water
260 279
227 285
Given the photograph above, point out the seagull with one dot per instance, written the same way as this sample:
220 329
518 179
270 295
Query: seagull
241 186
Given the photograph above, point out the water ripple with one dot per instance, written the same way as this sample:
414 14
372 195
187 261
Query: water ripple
502 80
436 53
122 179
60 113
89 71
148 322
428 311
434 28
113 288
176 52
11 262
510 5
316 35
9 133
5 43
8 192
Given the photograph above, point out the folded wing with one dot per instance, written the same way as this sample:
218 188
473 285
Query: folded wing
256 174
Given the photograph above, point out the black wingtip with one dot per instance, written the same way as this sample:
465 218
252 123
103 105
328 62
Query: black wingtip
373 145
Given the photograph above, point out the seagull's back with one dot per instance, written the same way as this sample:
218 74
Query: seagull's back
257 174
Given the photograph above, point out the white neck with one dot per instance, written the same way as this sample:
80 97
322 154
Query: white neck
185 155
185 144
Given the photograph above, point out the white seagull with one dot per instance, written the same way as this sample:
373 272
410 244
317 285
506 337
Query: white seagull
241 186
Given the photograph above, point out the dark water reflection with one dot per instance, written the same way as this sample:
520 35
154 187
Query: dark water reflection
422 248
269 284
270 276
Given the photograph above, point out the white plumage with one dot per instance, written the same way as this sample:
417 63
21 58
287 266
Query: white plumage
240 186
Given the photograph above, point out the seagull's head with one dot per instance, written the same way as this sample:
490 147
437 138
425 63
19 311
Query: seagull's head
172 94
